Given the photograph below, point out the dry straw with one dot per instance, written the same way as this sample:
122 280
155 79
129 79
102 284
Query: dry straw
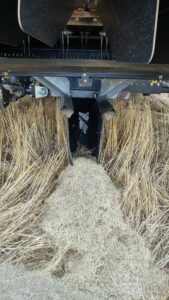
33 151
135 152
32 154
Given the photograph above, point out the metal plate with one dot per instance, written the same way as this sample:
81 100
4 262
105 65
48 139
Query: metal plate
45 19
84 20
131 27
10 33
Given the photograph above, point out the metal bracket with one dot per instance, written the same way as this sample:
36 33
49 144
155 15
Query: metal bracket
59 87
106 109
111 88
5 97
39 91
85 81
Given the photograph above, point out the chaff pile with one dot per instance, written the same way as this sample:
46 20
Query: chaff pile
135 152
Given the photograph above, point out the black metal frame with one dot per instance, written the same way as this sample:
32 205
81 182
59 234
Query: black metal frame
75 68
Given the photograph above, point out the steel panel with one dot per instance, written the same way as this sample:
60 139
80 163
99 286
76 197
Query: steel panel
131 26
45 19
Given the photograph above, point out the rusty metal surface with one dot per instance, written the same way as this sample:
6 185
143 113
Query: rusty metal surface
81 17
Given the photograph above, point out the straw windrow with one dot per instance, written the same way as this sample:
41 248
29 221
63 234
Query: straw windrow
135 152
32 154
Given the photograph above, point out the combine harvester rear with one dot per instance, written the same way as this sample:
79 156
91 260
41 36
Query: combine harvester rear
86 53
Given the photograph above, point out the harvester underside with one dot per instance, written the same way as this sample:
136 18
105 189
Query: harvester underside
86 53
